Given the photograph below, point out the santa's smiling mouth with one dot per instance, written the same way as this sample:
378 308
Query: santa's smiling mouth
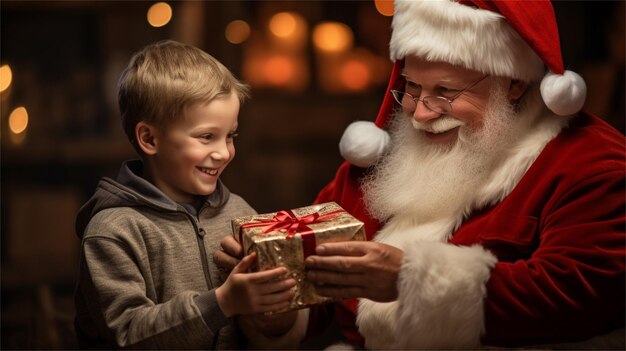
440 131
441 136
439 126
209 171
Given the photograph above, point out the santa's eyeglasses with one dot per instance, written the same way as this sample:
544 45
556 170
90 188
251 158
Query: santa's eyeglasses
437 104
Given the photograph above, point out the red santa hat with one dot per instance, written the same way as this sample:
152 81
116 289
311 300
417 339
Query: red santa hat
516 39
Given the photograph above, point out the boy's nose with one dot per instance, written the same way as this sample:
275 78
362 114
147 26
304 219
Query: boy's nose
221 153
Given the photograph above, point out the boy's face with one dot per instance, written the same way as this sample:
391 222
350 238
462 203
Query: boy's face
192 152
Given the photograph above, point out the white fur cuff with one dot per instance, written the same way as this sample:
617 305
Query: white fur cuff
442 288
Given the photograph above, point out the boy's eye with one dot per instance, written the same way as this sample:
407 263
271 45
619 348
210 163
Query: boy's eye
206 136
233 135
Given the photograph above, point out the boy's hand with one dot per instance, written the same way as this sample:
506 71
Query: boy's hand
228 257
258 292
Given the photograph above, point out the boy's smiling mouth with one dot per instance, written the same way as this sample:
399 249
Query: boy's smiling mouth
209 171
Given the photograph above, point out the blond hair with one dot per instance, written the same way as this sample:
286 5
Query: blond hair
167 76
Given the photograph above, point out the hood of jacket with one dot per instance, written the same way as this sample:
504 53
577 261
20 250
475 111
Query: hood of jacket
129 189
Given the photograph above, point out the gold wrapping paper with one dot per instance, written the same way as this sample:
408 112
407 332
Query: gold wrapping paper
283 247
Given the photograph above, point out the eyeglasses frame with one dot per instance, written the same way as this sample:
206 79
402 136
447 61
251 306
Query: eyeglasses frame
399 96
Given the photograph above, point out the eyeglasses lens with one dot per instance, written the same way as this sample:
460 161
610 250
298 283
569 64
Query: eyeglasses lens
437 104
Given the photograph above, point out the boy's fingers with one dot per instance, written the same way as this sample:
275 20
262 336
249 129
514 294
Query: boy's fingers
231 247
274 287
224 261
268 275
245 264
281 297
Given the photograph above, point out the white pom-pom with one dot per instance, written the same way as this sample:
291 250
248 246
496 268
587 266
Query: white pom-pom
563 94
363 143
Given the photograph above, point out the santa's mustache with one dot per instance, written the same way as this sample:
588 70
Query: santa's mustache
438 125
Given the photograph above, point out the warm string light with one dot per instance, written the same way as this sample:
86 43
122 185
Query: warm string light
283 24
332 37
342 68
237 31
384 7
355 75
278 70
18 120
159 14
6 77
288 32
278 61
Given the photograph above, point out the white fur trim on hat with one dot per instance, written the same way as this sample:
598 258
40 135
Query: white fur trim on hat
563 94
363 143
443 30
481 38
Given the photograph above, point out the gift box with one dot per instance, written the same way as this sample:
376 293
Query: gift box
286 238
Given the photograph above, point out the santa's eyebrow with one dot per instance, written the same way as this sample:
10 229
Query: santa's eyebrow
442 80
408 79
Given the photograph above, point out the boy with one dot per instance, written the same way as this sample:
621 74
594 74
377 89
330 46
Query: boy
147 279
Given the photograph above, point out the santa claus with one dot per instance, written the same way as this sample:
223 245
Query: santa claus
496 212
494 206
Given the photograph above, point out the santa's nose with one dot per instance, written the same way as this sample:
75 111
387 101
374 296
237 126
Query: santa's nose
424 114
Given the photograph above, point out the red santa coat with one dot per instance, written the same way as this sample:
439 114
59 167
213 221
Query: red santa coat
543 263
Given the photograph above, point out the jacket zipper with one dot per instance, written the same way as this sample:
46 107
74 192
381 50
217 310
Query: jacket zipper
200 233
205 262
205 267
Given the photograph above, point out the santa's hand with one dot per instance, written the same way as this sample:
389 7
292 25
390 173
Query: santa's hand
228 257
356 269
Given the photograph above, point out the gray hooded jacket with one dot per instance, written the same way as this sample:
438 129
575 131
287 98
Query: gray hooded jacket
147 276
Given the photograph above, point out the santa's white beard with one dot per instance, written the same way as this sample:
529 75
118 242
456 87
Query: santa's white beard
423 182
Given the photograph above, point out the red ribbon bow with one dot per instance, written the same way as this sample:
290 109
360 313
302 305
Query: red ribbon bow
287 220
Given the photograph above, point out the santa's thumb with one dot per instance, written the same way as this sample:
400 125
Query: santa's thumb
245 264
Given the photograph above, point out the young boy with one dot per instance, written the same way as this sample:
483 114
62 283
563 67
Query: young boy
147 278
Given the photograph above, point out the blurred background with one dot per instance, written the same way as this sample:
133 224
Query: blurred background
314 67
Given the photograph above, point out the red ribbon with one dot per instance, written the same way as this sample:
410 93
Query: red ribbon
287 220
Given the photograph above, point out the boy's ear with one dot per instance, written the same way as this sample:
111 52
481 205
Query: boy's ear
516 90
145 134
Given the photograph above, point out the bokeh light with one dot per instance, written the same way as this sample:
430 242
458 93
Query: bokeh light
18 120
237 31
283 24
332 37
278 70
289 32
6 76
355 75
159 14
384 7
